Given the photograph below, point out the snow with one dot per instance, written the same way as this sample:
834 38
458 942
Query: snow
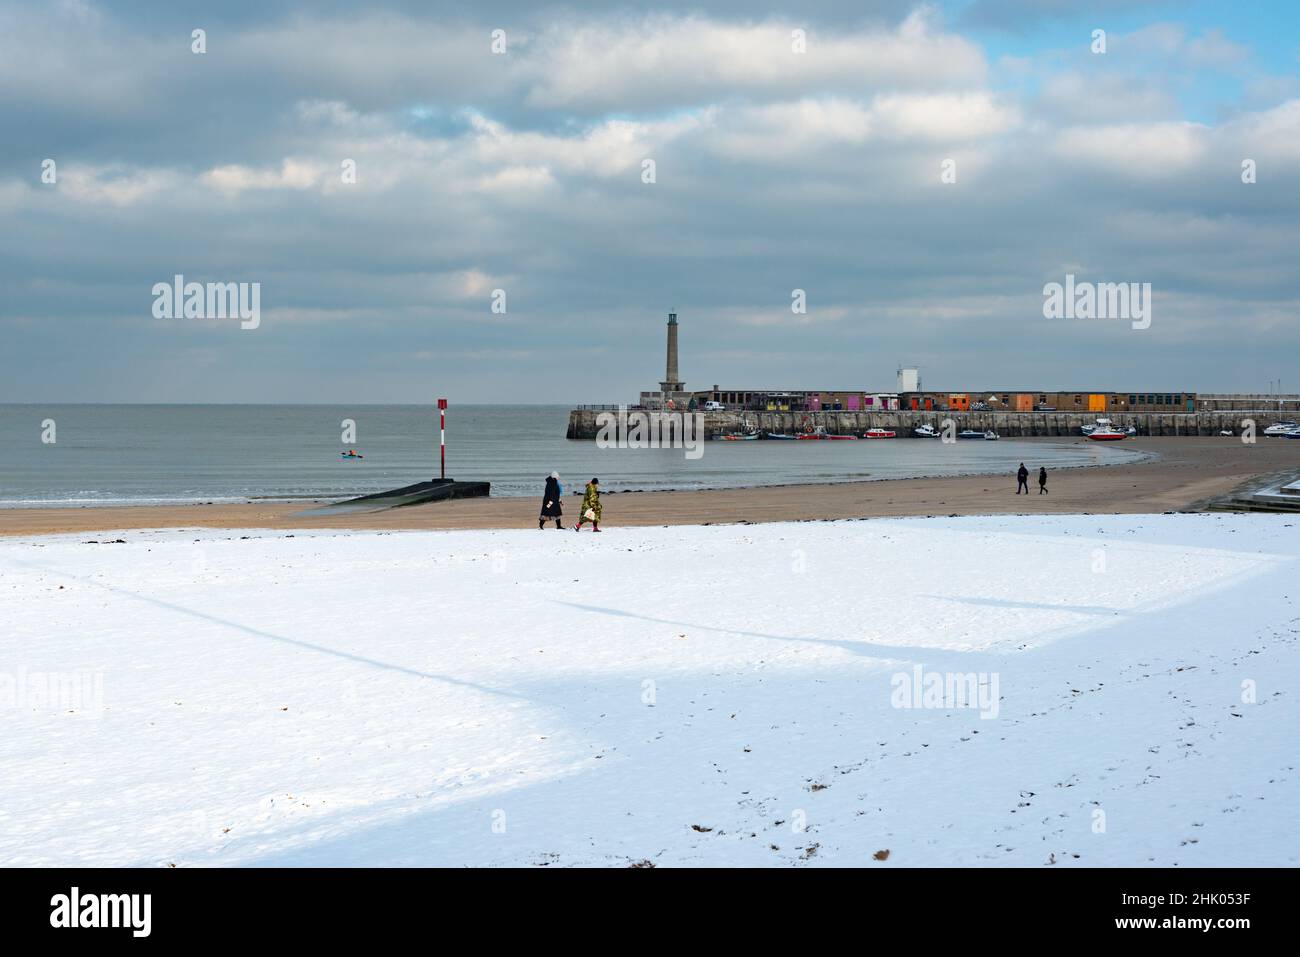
685 696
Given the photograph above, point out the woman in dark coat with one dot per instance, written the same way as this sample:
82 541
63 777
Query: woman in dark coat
551 505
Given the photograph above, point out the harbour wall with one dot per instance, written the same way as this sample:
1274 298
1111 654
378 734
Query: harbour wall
584 423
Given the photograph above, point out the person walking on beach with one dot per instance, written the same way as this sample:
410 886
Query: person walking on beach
551 504
590 507
1042 481
1022 479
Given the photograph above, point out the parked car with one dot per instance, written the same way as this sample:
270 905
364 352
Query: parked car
711 406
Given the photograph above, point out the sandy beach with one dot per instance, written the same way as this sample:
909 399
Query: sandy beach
1182 473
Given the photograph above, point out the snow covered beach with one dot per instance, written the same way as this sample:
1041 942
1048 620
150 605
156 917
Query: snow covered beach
738 695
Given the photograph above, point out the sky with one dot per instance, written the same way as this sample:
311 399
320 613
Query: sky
920 171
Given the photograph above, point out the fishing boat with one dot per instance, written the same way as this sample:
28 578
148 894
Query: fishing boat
1281 429
991 436
1107 434
925 432
1099 424
878 434
780 435
740 436
970 434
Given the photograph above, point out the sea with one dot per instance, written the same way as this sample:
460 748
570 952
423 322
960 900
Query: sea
186 454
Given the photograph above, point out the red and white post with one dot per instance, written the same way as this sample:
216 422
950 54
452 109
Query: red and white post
442 435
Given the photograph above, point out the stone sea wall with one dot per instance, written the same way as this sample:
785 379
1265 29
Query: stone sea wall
584 423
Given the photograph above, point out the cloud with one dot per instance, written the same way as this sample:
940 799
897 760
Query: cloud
115 185
775 170
661 60
1145 151
291 174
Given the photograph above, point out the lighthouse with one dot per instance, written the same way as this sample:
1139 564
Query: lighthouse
672 381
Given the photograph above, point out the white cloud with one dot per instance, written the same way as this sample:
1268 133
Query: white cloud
115 185
1135 150
621 65
291 174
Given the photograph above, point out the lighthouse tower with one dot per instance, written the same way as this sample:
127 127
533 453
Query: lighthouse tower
672 380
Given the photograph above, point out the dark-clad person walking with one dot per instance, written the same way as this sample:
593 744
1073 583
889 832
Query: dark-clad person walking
1022 479
551 504
1042 481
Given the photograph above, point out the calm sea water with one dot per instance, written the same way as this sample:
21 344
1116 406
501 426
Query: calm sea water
142 454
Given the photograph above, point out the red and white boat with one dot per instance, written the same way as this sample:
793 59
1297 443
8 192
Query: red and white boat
1106 434
839 437
878 434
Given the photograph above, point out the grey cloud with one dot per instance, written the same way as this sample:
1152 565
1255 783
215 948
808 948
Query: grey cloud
376 291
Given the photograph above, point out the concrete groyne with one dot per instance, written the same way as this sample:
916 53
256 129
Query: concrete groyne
585 423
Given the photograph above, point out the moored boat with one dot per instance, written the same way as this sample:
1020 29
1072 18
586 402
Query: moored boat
878 434
779 435
1281 429
970 434
1106 435
925 432
991 436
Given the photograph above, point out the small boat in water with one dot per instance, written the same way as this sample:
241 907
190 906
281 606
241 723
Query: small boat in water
779 435
878 434
818 433
925 432
970 434
351 455
740 436
1281 429
839 437
991 436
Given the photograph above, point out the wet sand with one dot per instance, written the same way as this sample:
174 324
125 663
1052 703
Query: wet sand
1184 474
